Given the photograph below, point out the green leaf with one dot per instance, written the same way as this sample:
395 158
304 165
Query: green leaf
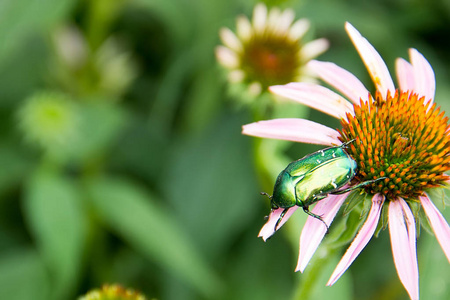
19 18
353 199
14 167
211 185
383 222
101 123
345 230
23 276
135 215
440 196
54 214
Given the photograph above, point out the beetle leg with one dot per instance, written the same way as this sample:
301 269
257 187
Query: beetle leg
280 218
317 198
344 145
306 210
360 185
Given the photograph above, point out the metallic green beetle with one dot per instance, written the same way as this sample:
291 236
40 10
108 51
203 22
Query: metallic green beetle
313 178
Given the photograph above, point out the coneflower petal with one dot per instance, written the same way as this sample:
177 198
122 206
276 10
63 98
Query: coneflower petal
438 223
403 242
315 96
298 29
230 39
259 17
362 238
342 80
424 75
373 61
243 28
314 230
313 49
296 130
269 228
405 75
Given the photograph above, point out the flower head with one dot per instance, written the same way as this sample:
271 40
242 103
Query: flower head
112 292
51 120
267 51
399 135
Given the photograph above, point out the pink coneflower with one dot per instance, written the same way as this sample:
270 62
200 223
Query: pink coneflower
268 50
399 134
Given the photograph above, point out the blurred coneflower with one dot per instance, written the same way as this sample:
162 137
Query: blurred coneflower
268 50
399 134
113 292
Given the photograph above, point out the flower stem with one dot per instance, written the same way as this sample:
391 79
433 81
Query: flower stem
311 278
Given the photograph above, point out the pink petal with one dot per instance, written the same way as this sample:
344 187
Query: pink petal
259 17
230 39
313 49
314 230
373 61
362 238
269 228
341 79
315 96
424 75
403 242
226 57
438 223
296 130
298 29
405 75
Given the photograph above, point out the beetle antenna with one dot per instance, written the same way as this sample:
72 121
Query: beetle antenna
264 193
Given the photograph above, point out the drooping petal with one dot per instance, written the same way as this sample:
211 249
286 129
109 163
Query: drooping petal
342 80
362 238
259 17
405 75
285 21
269 228
424 75
314 230
403 242
227 57
315 96
298 29
313 49
243 28
296 130
236 76
273 17
373 61
230 39
440 226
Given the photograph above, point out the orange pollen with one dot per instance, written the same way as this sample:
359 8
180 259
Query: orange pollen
400 138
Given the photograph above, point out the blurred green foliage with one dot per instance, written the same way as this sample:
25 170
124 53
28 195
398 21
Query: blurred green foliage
155 188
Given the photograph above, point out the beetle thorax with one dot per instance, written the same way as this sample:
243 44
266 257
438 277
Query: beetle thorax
284 191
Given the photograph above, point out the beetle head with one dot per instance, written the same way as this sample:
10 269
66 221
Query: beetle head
283 192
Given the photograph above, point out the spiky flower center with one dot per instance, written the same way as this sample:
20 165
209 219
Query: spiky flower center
399 138
271 58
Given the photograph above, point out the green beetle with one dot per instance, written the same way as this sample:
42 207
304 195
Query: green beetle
313 178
